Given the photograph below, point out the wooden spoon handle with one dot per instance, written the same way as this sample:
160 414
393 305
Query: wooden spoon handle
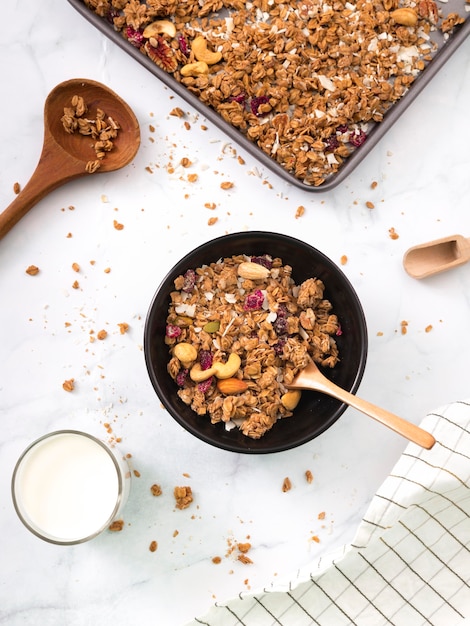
55 168
398 424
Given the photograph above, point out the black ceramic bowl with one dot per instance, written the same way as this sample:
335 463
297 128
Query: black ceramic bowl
316 412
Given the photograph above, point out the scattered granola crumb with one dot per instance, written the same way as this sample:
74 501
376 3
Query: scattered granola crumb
192 178
316 538
68 385
177 112
226 185
104 198
153 546
75 267
370 205
241 160
102 334
136 473
373 184
75 284
392 233
380 333
344 259
185 162
404 325
244 559
123 328
156 490
216 560
107 270
300 211
187 125
116 526
16 188
309 476
244 547
212 220
32 270
183 497
117 225
69 235
322 515
286 485
428 328
176 533
210 205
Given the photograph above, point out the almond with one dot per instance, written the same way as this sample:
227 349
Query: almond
231 386
405 16
252 271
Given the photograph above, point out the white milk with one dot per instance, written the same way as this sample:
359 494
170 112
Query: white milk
67 487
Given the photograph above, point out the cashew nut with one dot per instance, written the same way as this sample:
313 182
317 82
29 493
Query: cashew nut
185 353
218 369
195 69
159 27
202 53
291 399
229 369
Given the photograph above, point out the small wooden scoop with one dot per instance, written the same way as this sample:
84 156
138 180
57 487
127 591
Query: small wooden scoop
311 378
64 156
436 256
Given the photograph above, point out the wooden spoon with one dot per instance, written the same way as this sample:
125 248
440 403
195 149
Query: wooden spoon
64 156
311 378
436 256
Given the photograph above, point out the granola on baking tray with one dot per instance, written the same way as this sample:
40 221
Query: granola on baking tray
304 80
238 331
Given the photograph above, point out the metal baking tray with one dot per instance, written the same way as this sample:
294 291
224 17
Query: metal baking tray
445 48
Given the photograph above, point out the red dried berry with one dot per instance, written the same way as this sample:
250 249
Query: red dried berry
339 331
240 98
205 359
279 346
189 281
205 385
183 45
255 104
254 301
182 377
331 144
357 138
343 128
173 331
135 37
280 325
264 260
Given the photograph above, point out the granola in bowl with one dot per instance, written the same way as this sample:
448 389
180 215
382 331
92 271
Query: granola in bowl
306 82
220 347
239 330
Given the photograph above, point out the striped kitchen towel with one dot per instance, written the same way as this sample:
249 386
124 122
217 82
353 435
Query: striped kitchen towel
409 563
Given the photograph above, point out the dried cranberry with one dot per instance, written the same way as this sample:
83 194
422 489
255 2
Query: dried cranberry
280 325
343 128
339 331
357 138
181 377
205 385
255 104
331 143
205 359
183 45
254 301
173 331
282 310
189 281
240 98
264 260
111 15
135 37
279 346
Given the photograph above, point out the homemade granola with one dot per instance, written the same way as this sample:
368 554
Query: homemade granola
304 80
238 331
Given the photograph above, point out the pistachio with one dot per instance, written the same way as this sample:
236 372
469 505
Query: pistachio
211 327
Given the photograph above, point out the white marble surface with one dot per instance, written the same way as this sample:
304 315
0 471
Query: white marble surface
423 192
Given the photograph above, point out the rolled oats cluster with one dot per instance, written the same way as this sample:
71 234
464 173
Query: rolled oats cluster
238 331
304 80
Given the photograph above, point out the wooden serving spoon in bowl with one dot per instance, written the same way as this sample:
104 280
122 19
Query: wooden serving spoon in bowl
311 378
436 256
64 156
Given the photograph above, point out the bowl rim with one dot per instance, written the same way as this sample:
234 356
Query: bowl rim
180 266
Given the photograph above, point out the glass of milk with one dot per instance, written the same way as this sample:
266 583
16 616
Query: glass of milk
69 486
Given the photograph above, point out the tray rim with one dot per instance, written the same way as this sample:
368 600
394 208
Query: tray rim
350 164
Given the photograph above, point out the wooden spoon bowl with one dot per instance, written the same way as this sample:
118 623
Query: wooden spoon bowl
64 156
